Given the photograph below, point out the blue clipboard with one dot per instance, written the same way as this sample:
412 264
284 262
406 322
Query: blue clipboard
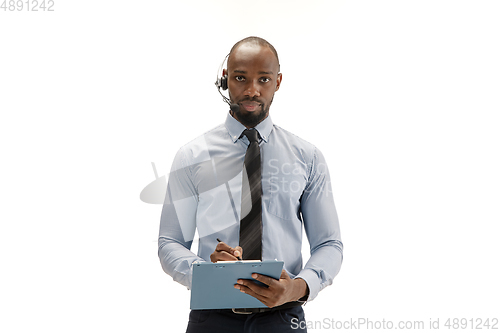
213 283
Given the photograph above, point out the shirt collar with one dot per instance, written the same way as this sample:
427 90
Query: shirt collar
235 128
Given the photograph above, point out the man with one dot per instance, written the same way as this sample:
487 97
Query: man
252 185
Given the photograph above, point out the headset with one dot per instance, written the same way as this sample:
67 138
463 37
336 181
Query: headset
221 83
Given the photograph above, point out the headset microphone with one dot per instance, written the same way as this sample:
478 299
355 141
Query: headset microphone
235 107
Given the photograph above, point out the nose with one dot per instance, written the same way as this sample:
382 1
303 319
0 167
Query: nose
252 89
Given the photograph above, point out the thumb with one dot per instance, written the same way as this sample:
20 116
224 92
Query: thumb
238 251
284 275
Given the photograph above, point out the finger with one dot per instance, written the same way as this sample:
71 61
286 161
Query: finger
248 291
225 256
221 246
258 289
269 281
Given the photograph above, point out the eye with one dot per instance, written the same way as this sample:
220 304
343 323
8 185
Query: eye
239 78
265 79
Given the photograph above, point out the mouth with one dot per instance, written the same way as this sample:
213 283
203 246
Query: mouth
250 106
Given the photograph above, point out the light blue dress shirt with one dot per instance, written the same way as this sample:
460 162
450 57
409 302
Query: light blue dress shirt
204 192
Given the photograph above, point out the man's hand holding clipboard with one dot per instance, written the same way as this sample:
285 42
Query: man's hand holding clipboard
270 291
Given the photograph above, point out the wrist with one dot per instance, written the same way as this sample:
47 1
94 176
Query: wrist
302 289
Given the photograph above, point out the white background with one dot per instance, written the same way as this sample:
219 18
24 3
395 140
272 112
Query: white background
401 96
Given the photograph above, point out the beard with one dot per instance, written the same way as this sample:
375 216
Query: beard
251 119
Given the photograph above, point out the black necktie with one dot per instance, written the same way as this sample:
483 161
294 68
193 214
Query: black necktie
251 224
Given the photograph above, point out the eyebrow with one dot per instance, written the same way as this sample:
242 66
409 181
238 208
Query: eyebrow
244 72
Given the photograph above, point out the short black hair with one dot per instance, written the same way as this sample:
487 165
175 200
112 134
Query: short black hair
256 41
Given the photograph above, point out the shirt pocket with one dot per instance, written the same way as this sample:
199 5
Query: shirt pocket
285 191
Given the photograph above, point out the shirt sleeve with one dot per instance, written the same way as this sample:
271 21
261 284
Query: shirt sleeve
178 223
322 229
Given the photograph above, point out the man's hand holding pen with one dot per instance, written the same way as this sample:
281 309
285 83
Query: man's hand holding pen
224 252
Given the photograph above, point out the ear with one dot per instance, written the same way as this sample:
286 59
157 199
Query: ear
224 72
278 81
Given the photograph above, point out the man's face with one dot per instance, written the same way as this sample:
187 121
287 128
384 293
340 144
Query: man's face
253 79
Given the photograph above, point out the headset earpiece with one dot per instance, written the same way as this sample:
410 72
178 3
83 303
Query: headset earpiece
223 82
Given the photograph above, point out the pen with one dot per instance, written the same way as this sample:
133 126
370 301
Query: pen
239 258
